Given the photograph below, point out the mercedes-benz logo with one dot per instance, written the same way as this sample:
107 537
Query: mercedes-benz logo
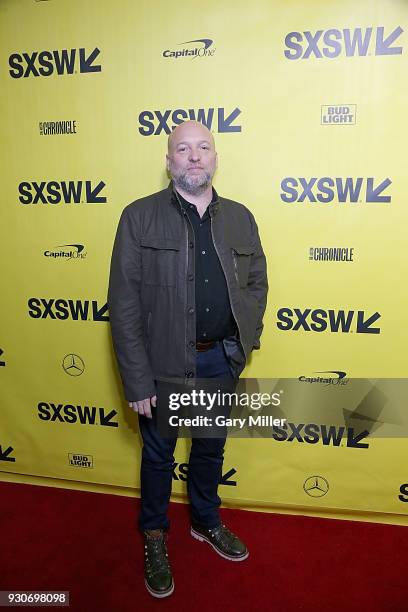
316 486
73 364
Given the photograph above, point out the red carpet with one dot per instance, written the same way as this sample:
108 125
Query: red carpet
86 543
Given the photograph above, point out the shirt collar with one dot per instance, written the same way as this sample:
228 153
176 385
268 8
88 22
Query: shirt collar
212 207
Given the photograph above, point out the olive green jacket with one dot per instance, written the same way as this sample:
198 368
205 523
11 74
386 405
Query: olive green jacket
151 293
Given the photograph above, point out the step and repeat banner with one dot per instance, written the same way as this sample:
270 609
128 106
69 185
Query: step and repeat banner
307 103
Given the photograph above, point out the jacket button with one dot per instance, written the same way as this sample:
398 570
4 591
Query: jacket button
191 311
191 277
189 374
191 343
191 244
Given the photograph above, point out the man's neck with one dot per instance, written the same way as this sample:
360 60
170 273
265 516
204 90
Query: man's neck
201 201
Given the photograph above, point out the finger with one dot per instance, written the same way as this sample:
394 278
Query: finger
147 409
154 401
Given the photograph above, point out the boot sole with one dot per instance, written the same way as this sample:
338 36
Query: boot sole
202 538
160 594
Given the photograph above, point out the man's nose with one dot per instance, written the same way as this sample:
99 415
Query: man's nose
194 154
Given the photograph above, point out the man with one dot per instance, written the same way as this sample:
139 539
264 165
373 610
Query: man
187 295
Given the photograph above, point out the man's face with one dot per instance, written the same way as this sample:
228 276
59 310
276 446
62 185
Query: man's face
192 159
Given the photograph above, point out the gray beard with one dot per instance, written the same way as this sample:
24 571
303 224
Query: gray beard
192 187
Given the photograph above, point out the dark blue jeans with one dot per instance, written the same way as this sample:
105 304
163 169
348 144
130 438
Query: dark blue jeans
204 467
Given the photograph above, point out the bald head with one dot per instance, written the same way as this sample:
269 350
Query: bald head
189 129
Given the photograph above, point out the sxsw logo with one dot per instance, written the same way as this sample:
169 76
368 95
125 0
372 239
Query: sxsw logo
202 49
312 433
403 492
320 320
71 413
327 189
338 115
154 122
5 453
347 42
180 472
61 192
63 309
45 63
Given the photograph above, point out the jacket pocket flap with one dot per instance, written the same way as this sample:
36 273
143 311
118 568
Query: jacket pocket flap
157 242
244 250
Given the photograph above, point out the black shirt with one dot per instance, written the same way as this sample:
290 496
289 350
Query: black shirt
214 318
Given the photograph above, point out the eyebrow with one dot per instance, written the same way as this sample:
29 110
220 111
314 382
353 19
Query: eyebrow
186 143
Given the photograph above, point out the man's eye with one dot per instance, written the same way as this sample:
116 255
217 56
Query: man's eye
182 149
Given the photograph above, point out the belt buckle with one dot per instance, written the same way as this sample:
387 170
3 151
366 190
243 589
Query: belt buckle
201 347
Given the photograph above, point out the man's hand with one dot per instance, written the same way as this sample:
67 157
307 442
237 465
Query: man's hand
143 406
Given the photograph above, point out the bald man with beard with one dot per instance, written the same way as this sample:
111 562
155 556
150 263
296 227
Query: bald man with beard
187 294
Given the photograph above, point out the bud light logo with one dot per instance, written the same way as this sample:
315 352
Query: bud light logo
339 115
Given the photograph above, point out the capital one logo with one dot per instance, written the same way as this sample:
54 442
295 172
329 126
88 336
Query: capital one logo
328 189
202 49
349 42
320 320
46 63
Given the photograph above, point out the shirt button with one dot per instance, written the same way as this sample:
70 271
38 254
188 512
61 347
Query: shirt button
189 374
207 310
191 343
191 244
202 252
191 277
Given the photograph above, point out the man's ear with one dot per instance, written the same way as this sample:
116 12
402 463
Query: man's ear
167 162
216 159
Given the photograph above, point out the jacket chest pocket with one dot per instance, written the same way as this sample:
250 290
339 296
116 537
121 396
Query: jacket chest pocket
241 256
160 260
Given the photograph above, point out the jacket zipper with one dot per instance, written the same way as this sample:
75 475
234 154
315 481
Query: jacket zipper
234 257
226 280
149 316
186 220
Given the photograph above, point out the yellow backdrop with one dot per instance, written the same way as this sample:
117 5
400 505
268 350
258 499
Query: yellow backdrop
307 103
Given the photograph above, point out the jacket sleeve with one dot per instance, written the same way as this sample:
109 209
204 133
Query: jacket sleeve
125 311
258 281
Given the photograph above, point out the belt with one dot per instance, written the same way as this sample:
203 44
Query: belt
205 346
